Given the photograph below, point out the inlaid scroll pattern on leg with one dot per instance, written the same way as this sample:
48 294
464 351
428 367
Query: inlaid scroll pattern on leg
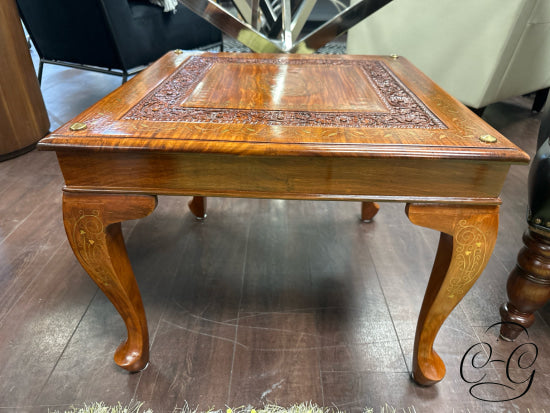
92 223
468 236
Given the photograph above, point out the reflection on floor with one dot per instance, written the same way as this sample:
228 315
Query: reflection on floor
266 301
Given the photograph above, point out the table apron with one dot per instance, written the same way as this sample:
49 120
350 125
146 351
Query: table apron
291 177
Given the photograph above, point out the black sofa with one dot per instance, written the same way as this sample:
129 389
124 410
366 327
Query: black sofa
111 36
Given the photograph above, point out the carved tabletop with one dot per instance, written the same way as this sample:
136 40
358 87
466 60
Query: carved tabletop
358 128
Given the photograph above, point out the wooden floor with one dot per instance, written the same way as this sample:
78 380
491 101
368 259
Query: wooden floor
266 301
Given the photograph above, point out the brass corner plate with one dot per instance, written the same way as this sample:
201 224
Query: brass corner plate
78 126
488 139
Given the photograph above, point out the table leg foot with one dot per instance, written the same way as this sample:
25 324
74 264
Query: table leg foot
368 211
197 206
92 223
528 285
468 236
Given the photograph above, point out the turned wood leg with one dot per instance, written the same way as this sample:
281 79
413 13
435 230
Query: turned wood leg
368 211
468 235
197 206
92 223
528 284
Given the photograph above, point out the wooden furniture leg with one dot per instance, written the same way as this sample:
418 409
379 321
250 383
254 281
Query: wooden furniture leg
92 223
368 211
468 235
528 284
197 206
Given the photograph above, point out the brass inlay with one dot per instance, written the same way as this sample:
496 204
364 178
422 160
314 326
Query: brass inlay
394 56
538 221
90 239
470 251
78 126
178 51
488 139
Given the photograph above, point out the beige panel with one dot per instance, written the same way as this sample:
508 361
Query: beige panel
466 47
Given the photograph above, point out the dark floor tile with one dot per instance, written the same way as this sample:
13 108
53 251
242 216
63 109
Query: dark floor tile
91 348
401 252
352 307
381 356
528 355
276 360
34 164
86 371
482 308
193 343
21 199
474 383
26 251
34 334
191 362
280 280
355 391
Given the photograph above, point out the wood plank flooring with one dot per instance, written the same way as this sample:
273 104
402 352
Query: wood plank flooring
266 301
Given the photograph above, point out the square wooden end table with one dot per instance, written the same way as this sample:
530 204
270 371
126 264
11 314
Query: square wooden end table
354 128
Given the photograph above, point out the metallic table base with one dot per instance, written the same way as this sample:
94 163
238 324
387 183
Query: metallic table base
274 26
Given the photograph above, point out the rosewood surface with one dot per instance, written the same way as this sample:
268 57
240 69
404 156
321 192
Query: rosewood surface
289 127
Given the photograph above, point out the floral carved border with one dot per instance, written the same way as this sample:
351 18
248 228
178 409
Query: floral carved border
404 109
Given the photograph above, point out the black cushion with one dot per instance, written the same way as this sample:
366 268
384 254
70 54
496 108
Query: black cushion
116 34
539 180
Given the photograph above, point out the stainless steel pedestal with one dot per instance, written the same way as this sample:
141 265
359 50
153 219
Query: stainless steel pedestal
275 26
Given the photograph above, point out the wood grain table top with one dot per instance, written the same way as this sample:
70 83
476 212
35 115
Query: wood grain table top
284 105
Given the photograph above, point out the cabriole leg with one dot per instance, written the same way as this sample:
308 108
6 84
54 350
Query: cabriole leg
92 223
468 235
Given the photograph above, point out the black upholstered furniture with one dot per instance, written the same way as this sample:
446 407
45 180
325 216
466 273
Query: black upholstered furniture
111 36
528 284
